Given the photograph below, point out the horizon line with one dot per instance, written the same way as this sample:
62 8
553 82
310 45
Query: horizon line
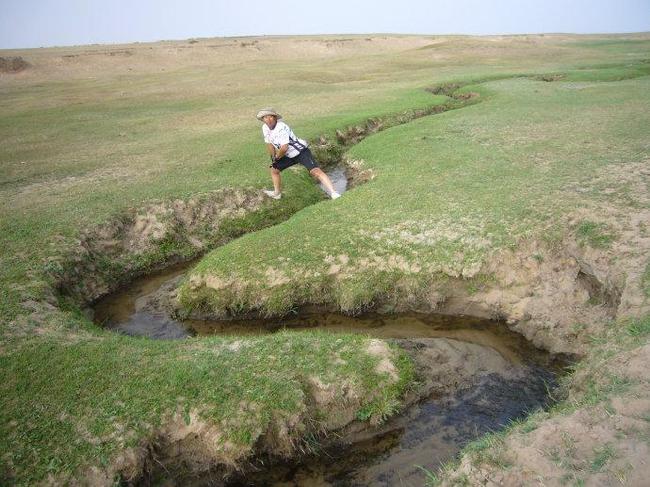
249 36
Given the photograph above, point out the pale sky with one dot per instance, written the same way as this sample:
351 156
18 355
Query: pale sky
36 23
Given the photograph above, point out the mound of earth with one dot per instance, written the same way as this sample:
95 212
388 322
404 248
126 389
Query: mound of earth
13 64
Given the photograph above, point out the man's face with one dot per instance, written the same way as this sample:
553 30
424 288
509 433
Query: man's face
270 121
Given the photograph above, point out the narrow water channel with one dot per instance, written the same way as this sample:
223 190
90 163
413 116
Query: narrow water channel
501 377
492 376
421 439
134 311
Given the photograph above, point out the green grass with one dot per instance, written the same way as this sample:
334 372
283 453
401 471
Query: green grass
72 421
639 329
387 403
600 385
529 141
595 234
487 450
602 456
449 189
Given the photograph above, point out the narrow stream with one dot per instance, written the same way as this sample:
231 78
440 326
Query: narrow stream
338 178
130 311
495 376
425 436
510 378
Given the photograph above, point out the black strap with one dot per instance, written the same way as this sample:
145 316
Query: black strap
296 144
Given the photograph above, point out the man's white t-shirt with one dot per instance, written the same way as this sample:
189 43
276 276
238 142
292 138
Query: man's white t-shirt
282 134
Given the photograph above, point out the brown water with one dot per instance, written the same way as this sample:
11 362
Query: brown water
129 311
426 435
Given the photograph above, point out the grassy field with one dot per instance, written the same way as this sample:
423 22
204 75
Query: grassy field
89 132
427 213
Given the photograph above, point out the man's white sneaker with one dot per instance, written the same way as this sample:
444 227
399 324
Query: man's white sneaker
335 195
272 194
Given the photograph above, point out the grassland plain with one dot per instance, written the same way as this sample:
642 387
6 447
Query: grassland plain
531 205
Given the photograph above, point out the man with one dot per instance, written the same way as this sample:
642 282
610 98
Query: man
286 150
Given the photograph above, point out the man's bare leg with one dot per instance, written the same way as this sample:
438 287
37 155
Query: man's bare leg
277 180
317 172
277 185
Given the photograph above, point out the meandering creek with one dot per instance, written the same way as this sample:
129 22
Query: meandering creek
493 376
476 377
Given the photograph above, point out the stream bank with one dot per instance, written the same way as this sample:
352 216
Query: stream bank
474 376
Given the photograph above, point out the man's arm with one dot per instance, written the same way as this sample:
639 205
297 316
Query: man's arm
271 149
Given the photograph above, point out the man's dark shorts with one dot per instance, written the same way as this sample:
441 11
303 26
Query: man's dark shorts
305 158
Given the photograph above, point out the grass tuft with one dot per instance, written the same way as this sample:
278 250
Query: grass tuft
602 456
597 235
639 328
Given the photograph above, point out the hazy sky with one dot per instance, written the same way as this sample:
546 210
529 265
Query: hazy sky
34 23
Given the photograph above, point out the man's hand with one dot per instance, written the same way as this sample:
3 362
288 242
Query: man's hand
281 151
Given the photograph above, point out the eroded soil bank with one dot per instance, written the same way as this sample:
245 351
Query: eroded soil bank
429 433
474 376
464 390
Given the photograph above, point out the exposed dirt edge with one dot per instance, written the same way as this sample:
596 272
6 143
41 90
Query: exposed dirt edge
187 447
542 292
142 240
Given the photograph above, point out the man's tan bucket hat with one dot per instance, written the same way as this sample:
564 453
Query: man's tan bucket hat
267 111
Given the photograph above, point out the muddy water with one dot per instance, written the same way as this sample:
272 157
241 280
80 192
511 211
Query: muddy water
127 311
499 377
131 312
